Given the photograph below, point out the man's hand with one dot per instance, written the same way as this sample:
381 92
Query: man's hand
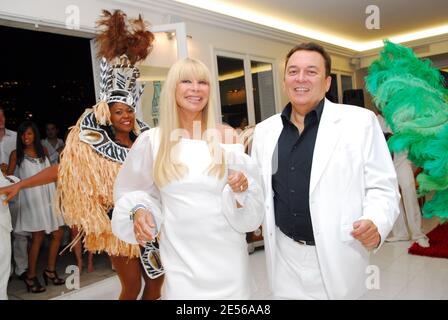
144 226
10 192
366 232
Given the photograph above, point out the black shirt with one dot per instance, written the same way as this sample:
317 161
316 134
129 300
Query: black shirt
291 182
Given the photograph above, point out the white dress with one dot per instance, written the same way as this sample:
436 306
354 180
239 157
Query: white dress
35 205
203 235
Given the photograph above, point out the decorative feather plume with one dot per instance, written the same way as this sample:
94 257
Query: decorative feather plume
120 36
112 39
412 97
140 41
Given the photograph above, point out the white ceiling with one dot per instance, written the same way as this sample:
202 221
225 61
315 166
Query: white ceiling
335 20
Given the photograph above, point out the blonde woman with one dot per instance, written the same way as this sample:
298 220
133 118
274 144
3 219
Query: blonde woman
189 180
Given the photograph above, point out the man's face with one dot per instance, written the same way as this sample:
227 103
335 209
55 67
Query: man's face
305 80
52 131
2 120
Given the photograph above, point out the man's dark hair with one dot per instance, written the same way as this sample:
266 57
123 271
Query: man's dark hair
312 46
51 123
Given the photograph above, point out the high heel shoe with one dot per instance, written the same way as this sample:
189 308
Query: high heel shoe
53 276
33 285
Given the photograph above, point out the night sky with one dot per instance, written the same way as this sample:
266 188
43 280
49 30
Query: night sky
44 77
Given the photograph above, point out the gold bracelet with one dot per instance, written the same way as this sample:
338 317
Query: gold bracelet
135 209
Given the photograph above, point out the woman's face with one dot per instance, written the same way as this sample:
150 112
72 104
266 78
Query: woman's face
28 137
192 94
122 117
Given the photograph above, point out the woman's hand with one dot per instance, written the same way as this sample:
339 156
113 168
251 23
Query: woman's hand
144 226
10 192
237 181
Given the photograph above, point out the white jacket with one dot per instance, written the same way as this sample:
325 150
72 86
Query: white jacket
352 178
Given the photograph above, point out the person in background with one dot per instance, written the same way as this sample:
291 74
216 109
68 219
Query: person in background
53 144
35 213
243 124
409 222
5 241
8 140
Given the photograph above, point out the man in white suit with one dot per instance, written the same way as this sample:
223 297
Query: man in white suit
330 186
5 239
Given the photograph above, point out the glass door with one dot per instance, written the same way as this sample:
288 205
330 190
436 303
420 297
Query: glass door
246 89
232 91
263 89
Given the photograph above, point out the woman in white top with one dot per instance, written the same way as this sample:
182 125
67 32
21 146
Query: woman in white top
35 213
189 180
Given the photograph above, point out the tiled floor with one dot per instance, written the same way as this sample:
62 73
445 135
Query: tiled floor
17 289
405 276
401 276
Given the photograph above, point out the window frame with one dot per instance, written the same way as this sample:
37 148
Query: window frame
247 58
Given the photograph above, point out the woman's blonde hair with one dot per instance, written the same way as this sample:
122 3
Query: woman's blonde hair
166 167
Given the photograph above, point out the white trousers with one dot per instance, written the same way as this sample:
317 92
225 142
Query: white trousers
410 215
19 241
5 261
297 272
20 252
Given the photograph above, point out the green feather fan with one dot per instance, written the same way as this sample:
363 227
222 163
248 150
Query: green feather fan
411 95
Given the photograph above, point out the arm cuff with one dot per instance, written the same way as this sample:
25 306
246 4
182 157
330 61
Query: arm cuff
134 210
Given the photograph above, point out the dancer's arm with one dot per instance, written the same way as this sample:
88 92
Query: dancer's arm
48 175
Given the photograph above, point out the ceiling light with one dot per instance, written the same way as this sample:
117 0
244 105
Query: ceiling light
267 20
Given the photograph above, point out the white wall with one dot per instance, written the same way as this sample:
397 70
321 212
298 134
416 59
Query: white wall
423 48
205 38
54 10
53 13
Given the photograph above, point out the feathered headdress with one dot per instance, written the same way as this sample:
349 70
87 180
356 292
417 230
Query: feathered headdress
412 97
122 43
